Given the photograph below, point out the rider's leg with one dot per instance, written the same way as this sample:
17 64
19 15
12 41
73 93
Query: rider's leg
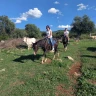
52 44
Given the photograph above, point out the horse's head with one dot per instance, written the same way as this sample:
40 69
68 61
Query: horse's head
35 48
40 43
24 39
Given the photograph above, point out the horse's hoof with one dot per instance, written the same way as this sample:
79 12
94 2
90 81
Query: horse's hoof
45 59
53 58
51 51
65 49
42 62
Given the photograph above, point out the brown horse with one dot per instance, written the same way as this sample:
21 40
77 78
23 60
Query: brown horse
65 42
46 47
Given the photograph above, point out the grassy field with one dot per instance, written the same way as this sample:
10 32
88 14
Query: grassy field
22 74
87 82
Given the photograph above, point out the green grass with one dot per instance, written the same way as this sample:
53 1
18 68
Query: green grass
87 82
24 74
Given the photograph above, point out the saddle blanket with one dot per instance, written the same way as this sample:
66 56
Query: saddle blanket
53 41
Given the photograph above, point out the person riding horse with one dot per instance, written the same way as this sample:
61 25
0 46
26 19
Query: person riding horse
49 37
66 33
65 38
44 44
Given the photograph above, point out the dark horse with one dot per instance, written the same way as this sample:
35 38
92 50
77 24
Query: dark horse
45 46
65 42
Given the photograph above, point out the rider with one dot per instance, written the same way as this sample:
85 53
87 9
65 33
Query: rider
66 33
49 35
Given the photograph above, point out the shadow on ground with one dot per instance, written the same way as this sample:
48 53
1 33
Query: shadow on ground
93 49
22 47
88 56
28 57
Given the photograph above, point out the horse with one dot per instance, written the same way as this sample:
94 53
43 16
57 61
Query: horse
65 42
29 41
46 47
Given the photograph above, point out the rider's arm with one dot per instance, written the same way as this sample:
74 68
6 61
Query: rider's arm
50 33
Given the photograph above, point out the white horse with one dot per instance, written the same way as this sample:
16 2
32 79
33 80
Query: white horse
92 37
29 41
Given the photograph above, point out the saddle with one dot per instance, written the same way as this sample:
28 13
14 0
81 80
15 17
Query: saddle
49 42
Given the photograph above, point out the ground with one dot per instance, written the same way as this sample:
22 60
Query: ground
22 74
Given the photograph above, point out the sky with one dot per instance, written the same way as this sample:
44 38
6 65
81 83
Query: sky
58 14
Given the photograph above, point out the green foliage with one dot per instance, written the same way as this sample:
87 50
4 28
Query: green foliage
85 89
87 24
82 25
4 36
43 33
86 85
25 75
56 34
89 73
6 26
59 33
19 33
32 30
85 36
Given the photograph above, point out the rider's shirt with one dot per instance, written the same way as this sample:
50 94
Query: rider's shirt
48 34
66 33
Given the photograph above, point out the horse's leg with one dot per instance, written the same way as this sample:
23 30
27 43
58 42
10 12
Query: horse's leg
44 59
54 57
58 54
65 47
55 51
28 47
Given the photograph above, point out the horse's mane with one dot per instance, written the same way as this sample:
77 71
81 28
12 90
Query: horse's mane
43 41
40 42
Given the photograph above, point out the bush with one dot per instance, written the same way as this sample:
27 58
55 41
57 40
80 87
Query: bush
4 37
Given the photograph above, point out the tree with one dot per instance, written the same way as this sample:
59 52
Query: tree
43 33
19 33
59 33
82 25
32 30
6 25
87 24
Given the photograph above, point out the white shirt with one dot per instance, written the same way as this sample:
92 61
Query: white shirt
66 33
48 33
